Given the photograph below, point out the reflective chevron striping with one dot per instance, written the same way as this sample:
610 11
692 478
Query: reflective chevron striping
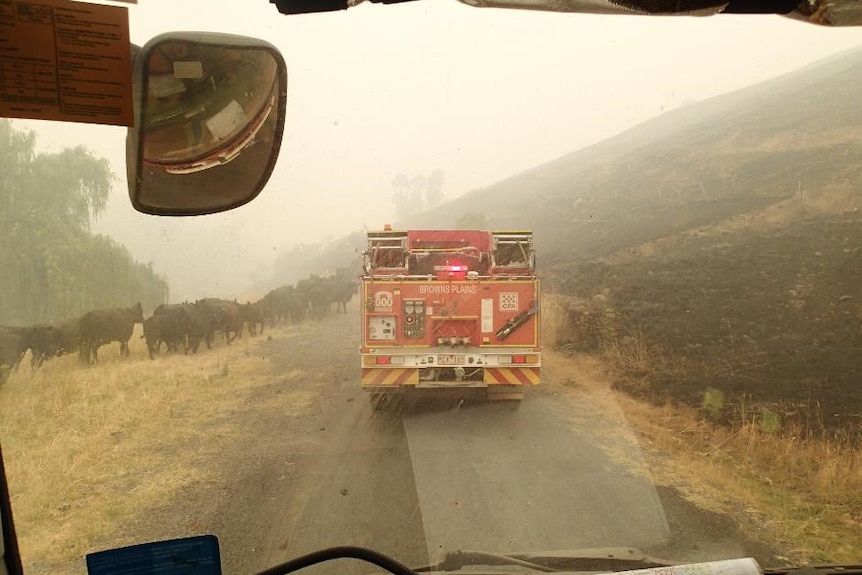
512 375
389 376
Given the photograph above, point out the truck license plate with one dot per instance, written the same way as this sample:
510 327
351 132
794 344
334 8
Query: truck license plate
451 359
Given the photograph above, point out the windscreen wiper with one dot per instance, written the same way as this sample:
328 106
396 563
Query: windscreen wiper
849 569
604 560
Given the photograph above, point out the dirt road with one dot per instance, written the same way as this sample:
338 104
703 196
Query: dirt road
428 476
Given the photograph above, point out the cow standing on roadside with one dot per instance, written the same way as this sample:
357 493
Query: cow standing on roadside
227 316
201 327
165 328
343 293
70 335
253 315
102 326
198 323
14 343
54 339
279 305
46 341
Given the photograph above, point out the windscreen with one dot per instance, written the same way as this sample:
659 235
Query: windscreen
654 344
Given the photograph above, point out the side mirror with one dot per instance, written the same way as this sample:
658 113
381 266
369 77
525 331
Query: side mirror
209 116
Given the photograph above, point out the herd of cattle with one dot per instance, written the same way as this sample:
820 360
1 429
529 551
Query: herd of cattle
176 326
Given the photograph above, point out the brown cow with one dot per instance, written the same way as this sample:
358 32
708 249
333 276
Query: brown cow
102 326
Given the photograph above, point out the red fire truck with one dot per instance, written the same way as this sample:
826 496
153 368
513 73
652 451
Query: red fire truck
450 309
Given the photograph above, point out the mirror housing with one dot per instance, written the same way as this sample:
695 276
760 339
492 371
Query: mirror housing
209 117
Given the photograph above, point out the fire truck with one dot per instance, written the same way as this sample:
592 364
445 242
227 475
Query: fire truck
446 309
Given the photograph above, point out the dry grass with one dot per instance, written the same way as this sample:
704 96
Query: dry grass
629 353
555 324
803 490
806 490
87 448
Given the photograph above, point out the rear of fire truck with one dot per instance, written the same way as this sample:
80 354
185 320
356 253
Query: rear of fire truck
446 309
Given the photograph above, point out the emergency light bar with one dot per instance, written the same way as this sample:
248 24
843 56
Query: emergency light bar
450 268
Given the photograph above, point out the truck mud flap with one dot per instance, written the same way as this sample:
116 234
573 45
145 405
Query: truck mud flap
512 375
389 377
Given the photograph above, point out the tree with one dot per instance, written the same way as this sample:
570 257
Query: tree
52 266
412 195
417 194
401 196
434 189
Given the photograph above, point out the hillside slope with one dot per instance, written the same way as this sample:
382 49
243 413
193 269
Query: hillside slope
726 233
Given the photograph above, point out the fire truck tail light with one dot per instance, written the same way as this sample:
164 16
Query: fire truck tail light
371 360
517 359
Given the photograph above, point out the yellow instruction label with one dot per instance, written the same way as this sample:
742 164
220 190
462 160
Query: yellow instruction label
65 60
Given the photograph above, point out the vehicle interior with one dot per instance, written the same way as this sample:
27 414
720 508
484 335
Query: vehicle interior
653 245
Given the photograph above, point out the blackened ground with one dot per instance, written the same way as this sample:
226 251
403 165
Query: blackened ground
772 317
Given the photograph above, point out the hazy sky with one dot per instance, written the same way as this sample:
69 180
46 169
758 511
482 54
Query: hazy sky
479 94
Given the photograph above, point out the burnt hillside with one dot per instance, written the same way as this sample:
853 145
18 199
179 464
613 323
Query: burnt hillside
727 233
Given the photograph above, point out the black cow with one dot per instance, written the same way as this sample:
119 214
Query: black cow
201 326
252 315
175 326
52 339
199 322
282 304
227 316
102 326
46 341
14 343
342 293
167 308
168 328
311 297
70 335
